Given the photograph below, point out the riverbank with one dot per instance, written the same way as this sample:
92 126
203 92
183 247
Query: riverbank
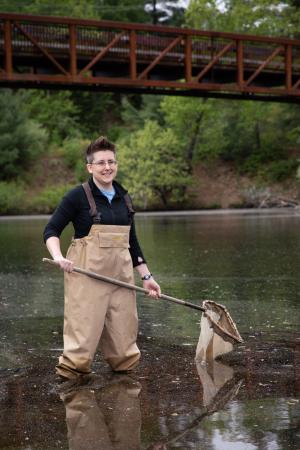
214 186
220 185
209 212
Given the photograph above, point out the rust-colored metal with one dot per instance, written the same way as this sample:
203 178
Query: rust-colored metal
188 59
102 53
67 53
43 50
214 61
73 54
264 64
296 85
288 67
240 63
159 57
133 71
8 49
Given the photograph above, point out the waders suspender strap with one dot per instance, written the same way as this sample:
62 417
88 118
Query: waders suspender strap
129 205
94 213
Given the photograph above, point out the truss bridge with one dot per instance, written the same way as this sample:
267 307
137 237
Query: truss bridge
66 53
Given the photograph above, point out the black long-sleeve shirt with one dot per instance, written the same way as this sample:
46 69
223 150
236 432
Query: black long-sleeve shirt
74 208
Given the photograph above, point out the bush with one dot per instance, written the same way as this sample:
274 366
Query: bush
21 139
48 199
280 170
251 165
73 151
11 197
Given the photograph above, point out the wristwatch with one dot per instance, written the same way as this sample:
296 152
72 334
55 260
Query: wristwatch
147 276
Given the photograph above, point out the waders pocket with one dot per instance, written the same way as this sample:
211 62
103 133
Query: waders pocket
119 240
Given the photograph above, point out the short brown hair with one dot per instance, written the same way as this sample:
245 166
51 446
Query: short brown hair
101 143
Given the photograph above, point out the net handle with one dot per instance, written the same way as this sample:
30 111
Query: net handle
106 279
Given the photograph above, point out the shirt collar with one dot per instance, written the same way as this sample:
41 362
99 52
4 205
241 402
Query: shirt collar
119 190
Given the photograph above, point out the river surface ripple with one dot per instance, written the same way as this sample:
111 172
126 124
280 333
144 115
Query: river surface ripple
247 400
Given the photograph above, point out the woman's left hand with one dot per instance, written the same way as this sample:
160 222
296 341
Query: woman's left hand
152 287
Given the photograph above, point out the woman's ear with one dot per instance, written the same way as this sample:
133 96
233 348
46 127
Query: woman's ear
89 168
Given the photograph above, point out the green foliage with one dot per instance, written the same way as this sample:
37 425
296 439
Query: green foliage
160 138
95 111
198 125
55 111
280 170
21 139
136 110
11 197
152 167
119 10
123 10
73 150
252 16
48 199
257 136
73 153
73 8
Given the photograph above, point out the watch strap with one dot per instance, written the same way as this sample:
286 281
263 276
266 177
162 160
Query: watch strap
147 276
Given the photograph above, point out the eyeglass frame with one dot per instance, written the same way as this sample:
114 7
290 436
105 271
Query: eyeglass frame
102 163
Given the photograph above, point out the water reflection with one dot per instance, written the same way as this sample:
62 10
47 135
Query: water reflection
213 377
170 401
219 387
106 413
108 417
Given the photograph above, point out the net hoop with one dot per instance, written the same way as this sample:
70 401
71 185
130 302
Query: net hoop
232 331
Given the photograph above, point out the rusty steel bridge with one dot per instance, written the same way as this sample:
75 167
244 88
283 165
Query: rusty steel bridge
66 53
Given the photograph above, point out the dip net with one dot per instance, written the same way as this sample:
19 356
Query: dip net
218 332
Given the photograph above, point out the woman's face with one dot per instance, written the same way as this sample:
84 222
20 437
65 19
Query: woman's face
103 168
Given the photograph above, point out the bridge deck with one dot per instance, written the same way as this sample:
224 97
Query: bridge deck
41 51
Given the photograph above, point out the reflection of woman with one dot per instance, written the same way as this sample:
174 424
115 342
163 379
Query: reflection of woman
105 242
108 418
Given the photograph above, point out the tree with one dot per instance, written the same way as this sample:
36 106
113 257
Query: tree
136 110
279 18
198 125
21 139
144 11
95 111
151 163
55 111
74 8
122 10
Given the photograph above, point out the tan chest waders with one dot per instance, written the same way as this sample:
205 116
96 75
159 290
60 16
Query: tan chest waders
99 313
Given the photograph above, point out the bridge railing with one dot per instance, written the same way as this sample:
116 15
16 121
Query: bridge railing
65 51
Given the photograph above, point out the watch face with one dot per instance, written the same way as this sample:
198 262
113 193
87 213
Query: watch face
146 277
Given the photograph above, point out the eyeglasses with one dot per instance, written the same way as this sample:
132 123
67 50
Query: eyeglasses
110 162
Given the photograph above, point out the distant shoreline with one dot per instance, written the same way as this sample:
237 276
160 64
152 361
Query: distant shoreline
208 212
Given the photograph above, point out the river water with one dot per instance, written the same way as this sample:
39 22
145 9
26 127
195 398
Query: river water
248 400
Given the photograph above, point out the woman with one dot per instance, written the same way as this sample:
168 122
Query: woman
105 242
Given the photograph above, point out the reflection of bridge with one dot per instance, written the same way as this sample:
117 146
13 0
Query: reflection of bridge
40 51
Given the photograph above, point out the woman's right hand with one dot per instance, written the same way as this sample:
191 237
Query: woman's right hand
64 264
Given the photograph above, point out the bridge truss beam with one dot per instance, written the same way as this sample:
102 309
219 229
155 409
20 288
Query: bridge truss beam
66 53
